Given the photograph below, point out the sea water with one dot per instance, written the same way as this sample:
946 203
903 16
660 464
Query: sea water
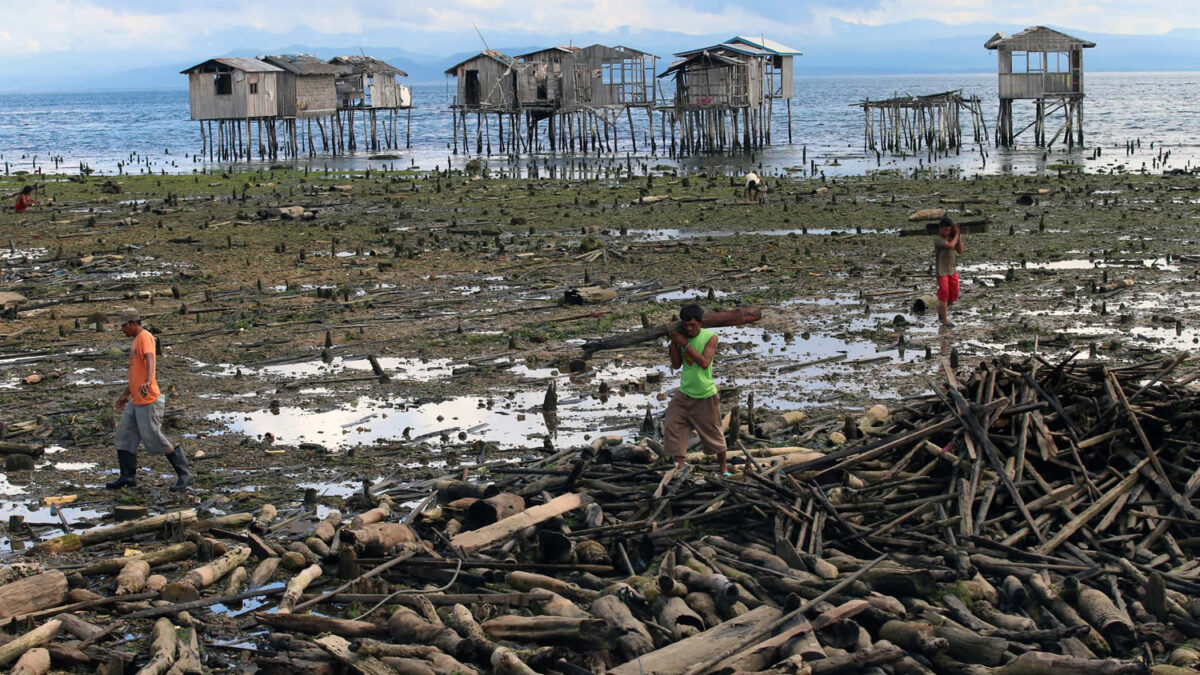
150 130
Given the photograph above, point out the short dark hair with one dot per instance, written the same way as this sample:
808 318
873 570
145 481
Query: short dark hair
27 189
689 312
945 222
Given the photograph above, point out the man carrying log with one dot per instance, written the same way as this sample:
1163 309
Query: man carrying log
141 422
947 246
696 405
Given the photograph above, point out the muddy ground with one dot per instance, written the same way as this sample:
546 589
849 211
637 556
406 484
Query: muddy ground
453 283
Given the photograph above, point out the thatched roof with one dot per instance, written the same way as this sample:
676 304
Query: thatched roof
1038 39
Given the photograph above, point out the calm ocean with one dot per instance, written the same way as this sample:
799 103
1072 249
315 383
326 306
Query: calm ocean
102 128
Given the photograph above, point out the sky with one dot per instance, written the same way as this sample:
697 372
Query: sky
127 29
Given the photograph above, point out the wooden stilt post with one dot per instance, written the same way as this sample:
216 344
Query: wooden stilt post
789 114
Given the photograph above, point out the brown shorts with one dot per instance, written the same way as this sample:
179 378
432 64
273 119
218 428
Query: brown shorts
684 414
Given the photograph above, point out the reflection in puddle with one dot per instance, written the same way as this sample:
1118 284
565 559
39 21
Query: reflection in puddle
1072 264
7 488
422 370
672 234
335 489
514 419
241 607
690 294
22 253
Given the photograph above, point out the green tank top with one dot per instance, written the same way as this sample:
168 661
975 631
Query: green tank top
695 381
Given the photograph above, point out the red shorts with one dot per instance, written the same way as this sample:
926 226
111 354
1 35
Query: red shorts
948 288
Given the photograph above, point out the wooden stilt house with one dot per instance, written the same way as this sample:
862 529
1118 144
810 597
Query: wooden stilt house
365 86
1045 66
724 93
233 88
578 92
540 83
367 82
608 76
306 85
486 81
234 93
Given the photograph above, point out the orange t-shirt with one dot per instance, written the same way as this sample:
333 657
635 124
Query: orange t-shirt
142 344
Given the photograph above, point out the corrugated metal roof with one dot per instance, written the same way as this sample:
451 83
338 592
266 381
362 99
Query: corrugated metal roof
770 45
367 64
631 50
708 57
1038 37
248 65
302 64
562 49
503 59
736 48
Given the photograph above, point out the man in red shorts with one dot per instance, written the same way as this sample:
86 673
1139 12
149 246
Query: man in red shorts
946 248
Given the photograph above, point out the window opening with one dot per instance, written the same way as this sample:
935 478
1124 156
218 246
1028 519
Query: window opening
223 83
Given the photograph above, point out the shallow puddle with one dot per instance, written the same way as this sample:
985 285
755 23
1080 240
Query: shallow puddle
673 234
750 359
422 370
1071 264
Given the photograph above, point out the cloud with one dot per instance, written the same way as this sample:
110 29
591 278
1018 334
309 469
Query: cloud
148 27
1130 17
132 25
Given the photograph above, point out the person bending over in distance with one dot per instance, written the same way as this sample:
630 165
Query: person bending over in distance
24 199
753 191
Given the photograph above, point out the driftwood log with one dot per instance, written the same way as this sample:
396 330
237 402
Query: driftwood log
734 317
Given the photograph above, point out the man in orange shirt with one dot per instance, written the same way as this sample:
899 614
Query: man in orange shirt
141 421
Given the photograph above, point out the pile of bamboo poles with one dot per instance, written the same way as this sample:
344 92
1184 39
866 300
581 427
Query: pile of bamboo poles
1026 518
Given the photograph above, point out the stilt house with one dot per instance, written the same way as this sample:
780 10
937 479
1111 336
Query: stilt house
725 92
233 89
366 82
1045 66
486 81
306 85
540 83
579 93
612 76
748 73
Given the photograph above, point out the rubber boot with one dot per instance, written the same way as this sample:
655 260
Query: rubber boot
127 461
179 462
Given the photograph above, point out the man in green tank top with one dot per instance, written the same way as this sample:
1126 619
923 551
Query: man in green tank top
697 405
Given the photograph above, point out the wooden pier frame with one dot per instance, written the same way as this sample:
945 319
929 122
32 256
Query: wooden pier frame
930 123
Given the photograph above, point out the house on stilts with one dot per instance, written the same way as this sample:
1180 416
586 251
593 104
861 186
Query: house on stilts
1045 66
306 93
578 92
725 93
368 93
275 95
235 93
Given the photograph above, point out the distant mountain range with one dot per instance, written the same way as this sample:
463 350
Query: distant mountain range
903 48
